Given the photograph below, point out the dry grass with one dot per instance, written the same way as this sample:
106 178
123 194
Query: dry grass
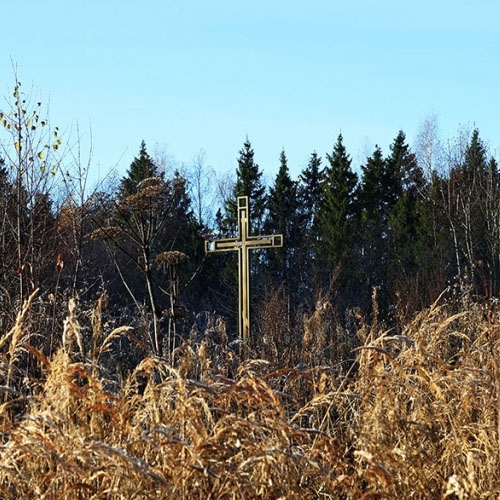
416 416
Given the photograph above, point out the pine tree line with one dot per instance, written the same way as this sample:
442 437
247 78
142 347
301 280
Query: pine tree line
406 227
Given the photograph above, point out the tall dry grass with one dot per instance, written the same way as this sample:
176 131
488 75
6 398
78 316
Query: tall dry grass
415 415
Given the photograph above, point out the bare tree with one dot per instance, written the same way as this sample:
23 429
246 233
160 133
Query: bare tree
30 149
428 147
201 177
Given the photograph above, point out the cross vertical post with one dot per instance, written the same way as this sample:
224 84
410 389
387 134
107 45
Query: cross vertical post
243 244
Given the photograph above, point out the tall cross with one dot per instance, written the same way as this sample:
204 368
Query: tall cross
243 244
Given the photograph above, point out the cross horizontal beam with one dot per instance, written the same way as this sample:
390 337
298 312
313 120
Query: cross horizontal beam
228 244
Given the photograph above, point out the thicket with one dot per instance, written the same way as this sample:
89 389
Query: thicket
373 359
371 414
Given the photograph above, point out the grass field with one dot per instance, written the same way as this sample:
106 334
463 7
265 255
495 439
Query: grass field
412 415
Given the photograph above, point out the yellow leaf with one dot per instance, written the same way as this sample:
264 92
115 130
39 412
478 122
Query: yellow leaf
17 146
40 155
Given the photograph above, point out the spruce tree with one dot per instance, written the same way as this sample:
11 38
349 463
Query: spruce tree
410 252
309 195
337 208
376 195
248 183
141 168
282 218
475 161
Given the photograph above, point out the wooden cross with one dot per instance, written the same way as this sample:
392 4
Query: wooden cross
243 244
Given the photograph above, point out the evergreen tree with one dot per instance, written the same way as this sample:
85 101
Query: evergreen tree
248 183
475 157
377 196
337 209
282 218
372 189
141 168
309 195
409 230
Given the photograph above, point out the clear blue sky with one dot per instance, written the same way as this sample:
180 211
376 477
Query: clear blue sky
191 74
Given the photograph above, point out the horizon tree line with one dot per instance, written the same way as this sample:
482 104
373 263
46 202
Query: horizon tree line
407 226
